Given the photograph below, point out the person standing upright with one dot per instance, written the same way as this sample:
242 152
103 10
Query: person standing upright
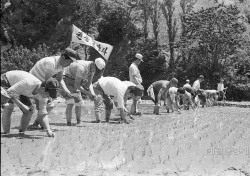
197 88
135 77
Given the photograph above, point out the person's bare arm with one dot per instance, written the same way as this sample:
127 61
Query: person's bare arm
59 77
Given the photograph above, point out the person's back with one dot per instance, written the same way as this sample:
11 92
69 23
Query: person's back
160 84
187 84
15 76
44 65
81 65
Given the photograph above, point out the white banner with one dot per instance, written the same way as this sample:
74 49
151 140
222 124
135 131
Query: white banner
79 36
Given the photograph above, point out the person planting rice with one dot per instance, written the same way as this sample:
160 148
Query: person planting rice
173 98
189 97
74 78
45 68
135 101
21 86
111 86
157 91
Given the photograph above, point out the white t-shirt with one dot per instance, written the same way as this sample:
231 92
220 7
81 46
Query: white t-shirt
114 87
22 83
134 71
187 85
220 87
172 93
196 85
129 83
46 65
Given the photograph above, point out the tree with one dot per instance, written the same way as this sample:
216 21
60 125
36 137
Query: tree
168 11
155 16
212 35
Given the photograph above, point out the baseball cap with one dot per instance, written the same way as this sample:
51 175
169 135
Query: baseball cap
139 56
100 63
52 86
201 76
73 55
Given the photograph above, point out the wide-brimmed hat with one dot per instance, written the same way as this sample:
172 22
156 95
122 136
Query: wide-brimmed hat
73 55
52 86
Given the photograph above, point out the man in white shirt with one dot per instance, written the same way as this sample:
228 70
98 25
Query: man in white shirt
221 89
197 86
197 83
135 77
78 78
45 68
111 86
21 86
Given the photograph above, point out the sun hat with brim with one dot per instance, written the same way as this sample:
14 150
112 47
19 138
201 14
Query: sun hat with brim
139 56
52 86
72 54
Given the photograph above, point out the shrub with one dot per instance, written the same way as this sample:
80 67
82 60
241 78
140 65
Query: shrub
238 92
21 58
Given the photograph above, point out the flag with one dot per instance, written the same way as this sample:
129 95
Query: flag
80 37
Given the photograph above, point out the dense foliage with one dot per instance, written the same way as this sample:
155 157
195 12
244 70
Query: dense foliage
210 41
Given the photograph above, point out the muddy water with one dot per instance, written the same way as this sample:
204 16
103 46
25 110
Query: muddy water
210 141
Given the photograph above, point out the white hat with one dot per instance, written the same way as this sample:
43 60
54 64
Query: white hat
100 63
139 56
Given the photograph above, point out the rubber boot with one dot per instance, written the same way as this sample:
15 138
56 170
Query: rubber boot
78 111
6 120
107 115
25 120
69 113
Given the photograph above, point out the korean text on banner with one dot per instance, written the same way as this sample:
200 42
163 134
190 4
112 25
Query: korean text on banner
79 36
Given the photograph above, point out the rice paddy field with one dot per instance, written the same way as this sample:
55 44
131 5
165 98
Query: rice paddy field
210 141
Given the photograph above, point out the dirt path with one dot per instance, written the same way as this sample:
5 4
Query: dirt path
210 141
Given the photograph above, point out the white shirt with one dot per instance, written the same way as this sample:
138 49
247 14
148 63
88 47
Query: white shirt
134 72
220 87
46 65
24 83
114 87
172 93
187 85
197 85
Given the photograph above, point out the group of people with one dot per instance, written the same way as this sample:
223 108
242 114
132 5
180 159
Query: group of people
70 76
189 95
